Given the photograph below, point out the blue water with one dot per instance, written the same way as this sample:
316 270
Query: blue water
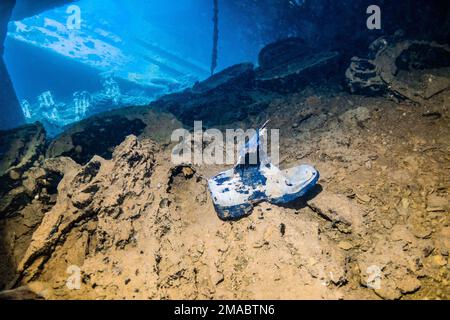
149 48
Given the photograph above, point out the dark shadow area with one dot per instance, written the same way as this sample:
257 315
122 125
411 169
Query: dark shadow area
301 202
7 265
102 137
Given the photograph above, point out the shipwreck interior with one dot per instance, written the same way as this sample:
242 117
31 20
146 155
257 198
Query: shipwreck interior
92 91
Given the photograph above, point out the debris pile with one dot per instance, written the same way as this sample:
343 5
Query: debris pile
408 69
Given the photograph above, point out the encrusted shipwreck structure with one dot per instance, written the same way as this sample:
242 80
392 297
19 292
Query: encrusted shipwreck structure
288 64
410 69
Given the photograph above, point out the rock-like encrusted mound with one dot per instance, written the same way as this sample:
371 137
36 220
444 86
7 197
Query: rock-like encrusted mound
287 65
100 134
21 149
227 97
409 69
110 194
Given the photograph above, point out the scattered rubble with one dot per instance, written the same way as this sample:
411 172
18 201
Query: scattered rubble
341 211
